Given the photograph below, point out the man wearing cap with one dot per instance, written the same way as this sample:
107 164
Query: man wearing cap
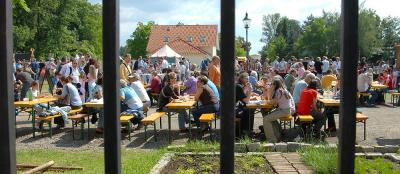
138 87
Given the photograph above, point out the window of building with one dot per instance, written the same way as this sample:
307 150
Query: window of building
166 39
190 39
202 39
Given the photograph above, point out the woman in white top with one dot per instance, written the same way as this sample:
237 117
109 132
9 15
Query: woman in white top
284 103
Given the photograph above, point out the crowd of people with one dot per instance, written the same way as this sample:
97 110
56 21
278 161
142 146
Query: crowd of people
291 85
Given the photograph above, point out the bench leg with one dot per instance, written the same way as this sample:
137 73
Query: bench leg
88 128
145 133
129 130
365 129
73 130
160 123
155 132
33 122
211 131
169 127
82 127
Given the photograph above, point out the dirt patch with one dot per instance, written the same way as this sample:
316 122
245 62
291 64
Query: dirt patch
188 164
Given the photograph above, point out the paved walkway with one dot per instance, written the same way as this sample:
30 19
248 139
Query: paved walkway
287 163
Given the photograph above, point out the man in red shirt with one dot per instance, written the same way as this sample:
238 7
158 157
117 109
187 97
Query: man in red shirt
155 86
308 105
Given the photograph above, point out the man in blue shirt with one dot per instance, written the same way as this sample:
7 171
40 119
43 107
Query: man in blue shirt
131 101
214 88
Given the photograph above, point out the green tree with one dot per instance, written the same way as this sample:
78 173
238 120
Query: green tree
333 25
137 43
390 27
270 23
290 30
240 51
60 28
243 43
313 42
277 47
369 34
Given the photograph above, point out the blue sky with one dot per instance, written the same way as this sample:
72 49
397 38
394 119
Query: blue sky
207 12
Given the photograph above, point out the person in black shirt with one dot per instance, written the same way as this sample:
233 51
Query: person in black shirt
243 93
168 93
318 67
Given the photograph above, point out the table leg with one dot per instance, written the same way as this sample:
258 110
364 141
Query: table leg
169 127
33 121
190 126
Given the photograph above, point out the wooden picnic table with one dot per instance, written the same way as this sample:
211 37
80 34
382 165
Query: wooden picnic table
94 104
179 105
378 86
260 104
30 104
329 102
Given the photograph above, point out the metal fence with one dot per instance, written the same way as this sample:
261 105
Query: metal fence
112 135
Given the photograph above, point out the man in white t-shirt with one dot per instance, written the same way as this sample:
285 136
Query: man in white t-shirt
325 65
138 87
363 85
164 63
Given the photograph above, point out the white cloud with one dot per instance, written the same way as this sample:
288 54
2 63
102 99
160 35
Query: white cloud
208 12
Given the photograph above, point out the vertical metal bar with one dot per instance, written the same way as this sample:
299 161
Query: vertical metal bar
7 121
349 53
228 93
112 134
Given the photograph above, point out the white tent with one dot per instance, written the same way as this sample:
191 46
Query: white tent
165 51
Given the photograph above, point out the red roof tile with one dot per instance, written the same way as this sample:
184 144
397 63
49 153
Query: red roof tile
183 48
182 32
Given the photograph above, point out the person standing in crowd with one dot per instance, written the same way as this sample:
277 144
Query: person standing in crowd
182 70
318 67
26 80
73 71
131 101
171 92
308 106
214 73
164 64
187 66
155 86
325 65
125 67
209 102
281 99
35 68
282 66
50 74
138 87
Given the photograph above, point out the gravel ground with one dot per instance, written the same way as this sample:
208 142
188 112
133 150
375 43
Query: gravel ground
382 129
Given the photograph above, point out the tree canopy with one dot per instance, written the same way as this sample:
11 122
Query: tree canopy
137 43
58 28
320 35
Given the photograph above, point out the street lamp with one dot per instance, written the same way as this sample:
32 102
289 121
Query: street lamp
246 22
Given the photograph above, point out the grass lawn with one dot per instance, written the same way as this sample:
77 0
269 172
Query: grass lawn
133 161
324 160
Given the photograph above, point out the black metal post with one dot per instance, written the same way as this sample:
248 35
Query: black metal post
227 85
349 53
112 135
247 43
7 119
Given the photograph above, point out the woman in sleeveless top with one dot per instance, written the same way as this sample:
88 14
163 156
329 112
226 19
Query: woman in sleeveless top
207 98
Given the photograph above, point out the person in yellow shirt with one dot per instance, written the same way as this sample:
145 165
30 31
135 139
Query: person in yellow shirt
214 73
125 67
327 79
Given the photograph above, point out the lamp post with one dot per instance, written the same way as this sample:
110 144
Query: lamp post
246 22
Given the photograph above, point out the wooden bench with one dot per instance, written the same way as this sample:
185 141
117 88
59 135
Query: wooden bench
286 121
125 119
208 118
394 96
49 119
306 120
152 120
361 118
363 96
79 118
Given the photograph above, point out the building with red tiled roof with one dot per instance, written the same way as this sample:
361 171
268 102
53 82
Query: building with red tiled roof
195 42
